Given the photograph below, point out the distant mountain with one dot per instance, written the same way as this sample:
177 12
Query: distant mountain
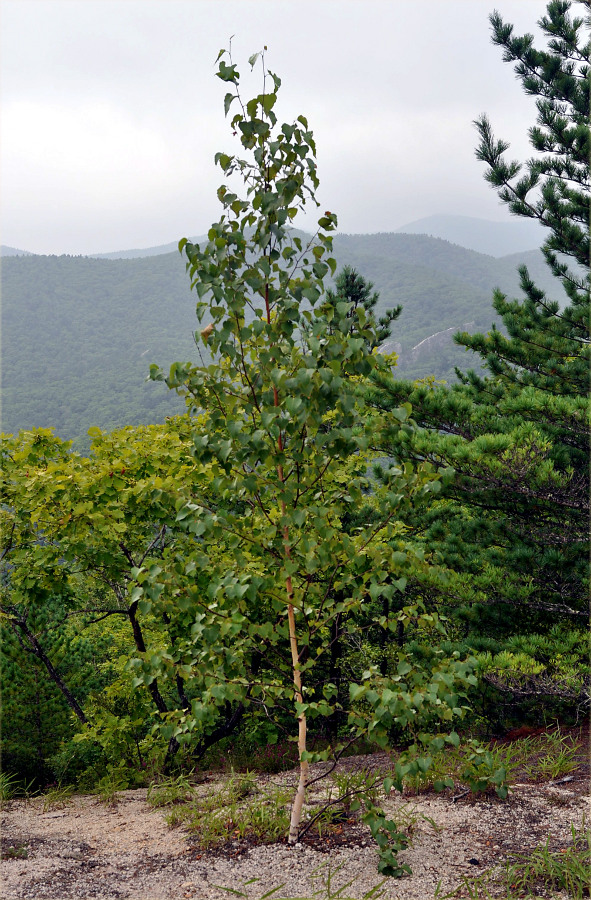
443 288
482 235
79 333
116 254
12 251
78 337
148 251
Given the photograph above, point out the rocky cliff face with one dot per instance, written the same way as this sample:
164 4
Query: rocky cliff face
428 347
435 342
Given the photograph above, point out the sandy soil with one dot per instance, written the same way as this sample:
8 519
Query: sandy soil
90 850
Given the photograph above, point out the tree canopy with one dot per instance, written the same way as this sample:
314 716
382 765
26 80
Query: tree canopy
514 524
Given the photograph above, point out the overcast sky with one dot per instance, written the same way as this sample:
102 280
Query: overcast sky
111 112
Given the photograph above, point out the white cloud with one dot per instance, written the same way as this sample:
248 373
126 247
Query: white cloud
95 146
112 113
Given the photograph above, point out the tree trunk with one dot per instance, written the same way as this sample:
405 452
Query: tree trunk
334 674
173 744
298 802
230 724
37 650
296 810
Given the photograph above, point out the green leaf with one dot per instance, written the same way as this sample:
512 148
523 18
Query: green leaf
388 785
268 102
424 763
227 73
453 739
228 100
355 691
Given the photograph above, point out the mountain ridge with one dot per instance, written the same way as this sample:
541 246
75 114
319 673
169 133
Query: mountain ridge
5 250
481 235
493 238
79 333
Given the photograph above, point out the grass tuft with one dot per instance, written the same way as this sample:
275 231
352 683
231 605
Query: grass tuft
542 873
237 810
169 791
58 797
543 758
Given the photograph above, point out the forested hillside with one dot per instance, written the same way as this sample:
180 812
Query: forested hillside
440 286
79 333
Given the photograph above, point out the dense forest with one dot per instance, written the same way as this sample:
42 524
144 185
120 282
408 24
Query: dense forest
316 553
79 334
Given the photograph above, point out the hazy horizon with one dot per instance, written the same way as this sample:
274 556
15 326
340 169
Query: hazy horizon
528 228
112 113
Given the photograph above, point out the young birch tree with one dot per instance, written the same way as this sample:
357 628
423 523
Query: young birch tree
285 445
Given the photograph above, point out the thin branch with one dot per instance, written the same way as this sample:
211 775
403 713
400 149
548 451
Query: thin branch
158 537
9 545
127 554
112 612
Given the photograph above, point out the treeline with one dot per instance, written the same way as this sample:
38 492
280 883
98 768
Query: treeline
79 334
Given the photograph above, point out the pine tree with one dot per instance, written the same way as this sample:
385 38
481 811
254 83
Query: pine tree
513 525
352 288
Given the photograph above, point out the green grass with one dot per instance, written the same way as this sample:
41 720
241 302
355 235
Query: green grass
568 870
11 787
542 873
235 811
556 756
58 797
109 786
544 758
169 791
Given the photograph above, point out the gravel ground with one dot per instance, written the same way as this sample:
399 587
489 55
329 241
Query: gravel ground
89 850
